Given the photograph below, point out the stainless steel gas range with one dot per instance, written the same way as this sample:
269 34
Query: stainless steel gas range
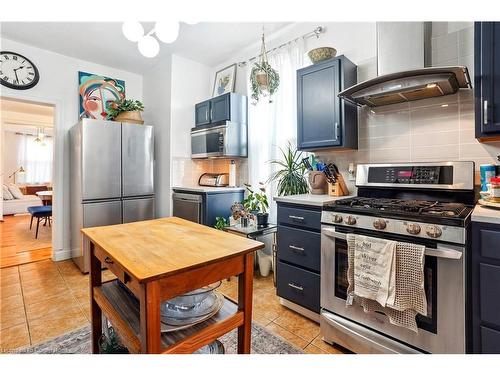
424 203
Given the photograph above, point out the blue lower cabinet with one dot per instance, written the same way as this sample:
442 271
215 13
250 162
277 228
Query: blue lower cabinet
298 285
219 205
299 255
485 288
300 247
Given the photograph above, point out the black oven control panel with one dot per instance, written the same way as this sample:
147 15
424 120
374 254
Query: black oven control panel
429 175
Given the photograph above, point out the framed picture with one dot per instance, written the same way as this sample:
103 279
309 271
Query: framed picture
224 81
96 92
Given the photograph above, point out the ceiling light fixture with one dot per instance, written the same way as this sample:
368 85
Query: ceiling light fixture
133 31
167 32
148 46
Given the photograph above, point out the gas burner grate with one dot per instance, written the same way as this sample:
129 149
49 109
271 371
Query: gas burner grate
410 206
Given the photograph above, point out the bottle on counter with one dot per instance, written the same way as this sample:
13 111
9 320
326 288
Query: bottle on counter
232 174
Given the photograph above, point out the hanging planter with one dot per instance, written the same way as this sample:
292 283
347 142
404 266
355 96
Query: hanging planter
264 80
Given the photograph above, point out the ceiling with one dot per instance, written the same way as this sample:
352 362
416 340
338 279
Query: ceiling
210 43
16 113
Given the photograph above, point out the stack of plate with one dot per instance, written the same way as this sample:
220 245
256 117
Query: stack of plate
191 308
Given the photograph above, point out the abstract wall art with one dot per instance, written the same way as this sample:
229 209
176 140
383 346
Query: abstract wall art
96 92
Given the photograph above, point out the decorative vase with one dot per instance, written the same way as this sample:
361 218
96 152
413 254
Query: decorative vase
317 180
133 117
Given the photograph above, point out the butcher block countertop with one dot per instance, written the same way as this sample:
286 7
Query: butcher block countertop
158 248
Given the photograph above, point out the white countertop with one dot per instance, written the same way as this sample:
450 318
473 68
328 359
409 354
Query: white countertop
485 214
207 189
309 199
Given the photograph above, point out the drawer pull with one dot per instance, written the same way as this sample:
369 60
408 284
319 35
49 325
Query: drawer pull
296 248
108 260
298 287
293 217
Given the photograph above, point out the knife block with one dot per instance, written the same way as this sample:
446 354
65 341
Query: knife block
339 188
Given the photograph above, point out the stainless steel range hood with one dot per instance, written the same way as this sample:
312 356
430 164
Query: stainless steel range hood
406 45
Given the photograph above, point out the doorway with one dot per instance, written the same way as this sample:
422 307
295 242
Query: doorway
27 170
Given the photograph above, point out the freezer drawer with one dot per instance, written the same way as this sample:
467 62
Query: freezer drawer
97 214
100 158
137 160
138 209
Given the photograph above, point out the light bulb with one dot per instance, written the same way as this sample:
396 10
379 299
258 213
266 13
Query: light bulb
148 46
167 32
191 22
133 30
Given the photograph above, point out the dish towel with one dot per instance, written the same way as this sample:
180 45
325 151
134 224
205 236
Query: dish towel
408 288
374 269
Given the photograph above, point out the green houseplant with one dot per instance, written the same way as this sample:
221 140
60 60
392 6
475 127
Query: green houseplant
257 204
126 110
291 172
220 223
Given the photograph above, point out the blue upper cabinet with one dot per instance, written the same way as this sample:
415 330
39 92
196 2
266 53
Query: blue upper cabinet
202 113
228 107
323 119
487 79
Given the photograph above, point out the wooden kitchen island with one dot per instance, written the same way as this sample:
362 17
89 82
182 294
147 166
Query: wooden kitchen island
161 259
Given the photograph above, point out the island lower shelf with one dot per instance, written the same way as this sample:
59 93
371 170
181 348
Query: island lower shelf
123 311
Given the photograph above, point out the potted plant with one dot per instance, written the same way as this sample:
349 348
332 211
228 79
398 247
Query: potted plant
291 173
126 110
257 204
220 223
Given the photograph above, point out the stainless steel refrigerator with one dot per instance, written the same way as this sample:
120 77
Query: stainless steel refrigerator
111 178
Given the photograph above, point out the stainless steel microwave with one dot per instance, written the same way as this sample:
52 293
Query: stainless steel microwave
220 141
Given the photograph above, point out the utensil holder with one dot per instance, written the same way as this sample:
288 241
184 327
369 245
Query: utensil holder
317 180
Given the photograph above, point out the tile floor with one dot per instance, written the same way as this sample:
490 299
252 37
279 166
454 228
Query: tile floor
46 299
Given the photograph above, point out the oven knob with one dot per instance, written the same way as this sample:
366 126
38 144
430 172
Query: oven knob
413 228
433 231
350 220
379 224
337 219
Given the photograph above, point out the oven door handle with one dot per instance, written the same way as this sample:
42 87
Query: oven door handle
440 252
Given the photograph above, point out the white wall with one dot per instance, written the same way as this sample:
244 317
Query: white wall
59 85
157 96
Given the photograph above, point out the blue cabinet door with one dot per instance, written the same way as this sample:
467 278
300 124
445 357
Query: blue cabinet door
484 289
202 113
487 78
220 108
318 106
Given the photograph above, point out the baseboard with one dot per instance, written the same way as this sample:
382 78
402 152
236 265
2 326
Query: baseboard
299 309
62 254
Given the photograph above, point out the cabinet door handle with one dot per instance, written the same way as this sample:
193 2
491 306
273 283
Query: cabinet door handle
293 217
211 114
108 260
298 287
337 130
485 112
206 114
293 247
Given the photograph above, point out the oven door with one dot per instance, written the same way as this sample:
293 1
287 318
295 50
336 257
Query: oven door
209 142
441 331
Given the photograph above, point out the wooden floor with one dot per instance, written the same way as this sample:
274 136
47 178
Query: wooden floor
46 299
18 243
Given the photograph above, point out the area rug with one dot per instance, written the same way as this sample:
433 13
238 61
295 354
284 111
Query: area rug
79 342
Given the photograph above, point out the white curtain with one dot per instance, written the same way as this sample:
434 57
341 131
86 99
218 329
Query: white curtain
272 125
35 158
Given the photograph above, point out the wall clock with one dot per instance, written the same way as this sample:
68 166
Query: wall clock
17 72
